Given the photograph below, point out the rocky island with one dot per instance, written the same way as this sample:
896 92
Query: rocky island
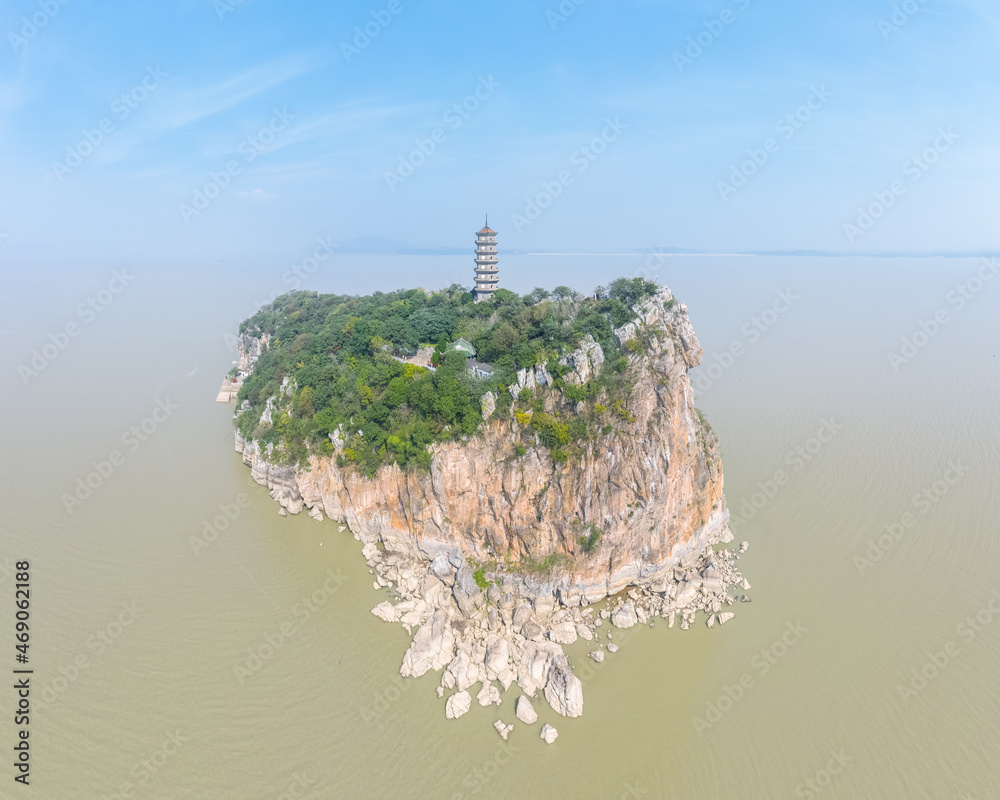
543 456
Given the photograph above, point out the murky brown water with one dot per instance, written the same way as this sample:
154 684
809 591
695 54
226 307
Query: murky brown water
250 667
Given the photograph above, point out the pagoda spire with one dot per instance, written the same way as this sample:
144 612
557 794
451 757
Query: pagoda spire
487 268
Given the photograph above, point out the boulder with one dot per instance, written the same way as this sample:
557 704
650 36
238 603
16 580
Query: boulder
686 593
532 631
563 633
624 616
457 705
725 617
385 612
563 690
503 730
433 647
596 655
548 733
489 695
465 668
612 648
468 596
443 570
524 711
497 655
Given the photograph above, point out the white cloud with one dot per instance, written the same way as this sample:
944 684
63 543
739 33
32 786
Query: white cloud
258 196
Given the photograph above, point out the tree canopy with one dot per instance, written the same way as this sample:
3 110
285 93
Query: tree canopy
333 366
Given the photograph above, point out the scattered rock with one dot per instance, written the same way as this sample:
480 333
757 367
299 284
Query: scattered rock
744 546
612 648
711 621
548 733
725 617
524 711
282 512
457 705
597 655
744 599
385 612
503 730
489 695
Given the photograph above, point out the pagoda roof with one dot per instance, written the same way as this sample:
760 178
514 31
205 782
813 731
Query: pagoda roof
486 229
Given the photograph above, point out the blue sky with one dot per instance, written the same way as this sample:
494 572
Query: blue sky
590 133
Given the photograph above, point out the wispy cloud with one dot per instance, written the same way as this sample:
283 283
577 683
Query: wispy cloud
192 104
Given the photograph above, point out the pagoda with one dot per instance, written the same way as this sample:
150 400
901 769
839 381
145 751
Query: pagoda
487 271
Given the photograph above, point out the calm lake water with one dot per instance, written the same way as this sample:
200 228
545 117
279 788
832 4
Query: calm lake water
144 686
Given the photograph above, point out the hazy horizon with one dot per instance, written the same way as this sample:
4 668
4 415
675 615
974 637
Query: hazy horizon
231 129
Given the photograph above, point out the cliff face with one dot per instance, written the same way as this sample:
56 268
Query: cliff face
653 486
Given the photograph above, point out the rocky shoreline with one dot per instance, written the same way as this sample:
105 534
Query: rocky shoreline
501 637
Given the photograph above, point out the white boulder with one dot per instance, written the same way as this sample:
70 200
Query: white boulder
457 705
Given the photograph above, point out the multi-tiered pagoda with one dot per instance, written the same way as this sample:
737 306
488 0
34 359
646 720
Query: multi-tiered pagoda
487 270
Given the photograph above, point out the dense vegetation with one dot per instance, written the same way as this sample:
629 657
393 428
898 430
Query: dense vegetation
333 364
